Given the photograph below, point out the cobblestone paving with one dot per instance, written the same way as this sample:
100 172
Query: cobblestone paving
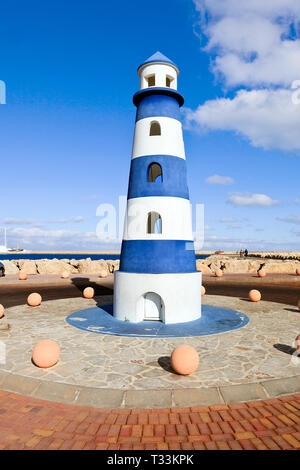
28 423
89 359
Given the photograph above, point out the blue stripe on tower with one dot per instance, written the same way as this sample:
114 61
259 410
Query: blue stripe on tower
158 102
174 178
157 256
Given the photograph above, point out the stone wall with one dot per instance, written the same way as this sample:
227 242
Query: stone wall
283 255
243 265
55 266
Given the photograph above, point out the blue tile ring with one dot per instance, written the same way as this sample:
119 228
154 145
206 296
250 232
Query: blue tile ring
214 320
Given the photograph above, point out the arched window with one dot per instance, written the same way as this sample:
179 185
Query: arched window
155 128
155 173
169 81
151 80
154 223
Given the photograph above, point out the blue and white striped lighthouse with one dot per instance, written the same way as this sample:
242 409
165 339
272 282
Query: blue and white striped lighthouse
158 279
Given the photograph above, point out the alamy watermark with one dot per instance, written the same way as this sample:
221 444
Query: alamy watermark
138 220
2 92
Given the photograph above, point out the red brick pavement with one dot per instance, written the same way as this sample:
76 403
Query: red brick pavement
28 423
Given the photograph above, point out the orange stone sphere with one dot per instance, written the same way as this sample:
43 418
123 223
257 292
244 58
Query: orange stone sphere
1 311
22 276
34 299
65 275
46 353
203 290
298 271
185 359
262 273
254 295
88 293
219 273
103 274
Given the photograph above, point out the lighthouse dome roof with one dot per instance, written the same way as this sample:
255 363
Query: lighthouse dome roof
158 57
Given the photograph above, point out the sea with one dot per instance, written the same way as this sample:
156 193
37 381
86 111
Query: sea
93 256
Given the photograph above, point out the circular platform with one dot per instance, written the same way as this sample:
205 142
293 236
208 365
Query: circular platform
214 320
105 370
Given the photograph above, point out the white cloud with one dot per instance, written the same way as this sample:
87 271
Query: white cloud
15 221
40 239
76 219
252 40
226 243
292 219
267 117
252 46
218 179
254 200
233 226
227 220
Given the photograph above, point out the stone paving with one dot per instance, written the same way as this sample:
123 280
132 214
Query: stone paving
28 423
240 357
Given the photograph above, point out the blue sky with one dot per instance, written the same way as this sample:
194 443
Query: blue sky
68 122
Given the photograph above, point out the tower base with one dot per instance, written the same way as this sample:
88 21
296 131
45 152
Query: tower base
169 298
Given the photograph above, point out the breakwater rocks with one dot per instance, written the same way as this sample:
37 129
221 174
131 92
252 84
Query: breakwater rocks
228 264
283 255
56 266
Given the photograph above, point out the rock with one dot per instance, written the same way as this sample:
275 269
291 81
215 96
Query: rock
29 267
288 267
241 266
54 266
87 266
10 267
202 267
74 262
113 265
20 262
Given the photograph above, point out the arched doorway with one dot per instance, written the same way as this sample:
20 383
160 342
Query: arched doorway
154 223
152 307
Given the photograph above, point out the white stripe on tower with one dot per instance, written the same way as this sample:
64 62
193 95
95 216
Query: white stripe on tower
170 142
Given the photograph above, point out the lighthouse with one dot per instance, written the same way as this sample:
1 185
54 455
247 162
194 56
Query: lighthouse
158 280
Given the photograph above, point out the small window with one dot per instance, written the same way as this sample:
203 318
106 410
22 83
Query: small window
151 80
155 128
169 81
155 173
154 223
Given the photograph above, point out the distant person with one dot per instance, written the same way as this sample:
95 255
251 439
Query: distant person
246 253
241 253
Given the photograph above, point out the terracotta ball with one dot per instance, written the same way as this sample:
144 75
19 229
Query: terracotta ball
185 359
298 271
103 274
262 273
1 311
254 295
203 290
219 273
22 276
65 275
46 353
34 299
88 293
